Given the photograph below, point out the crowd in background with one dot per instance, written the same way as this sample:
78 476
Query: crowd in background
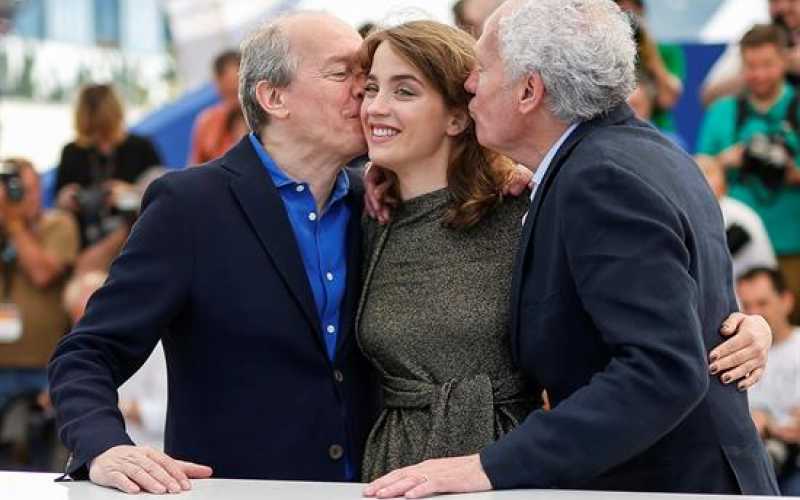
51 260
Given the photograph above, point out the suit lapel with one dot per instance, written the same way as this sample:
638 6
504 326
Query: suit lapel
617 115
264 209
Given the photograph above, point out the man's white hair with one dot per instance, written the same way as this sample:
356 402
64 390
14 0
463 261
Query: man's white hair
583 50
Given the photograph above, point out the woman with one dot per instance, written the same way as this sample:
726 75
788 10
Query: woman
453 237
97 171
434 310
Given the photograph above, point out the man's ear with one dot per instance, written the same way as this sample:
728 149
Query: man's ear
272 100
531 93
459 121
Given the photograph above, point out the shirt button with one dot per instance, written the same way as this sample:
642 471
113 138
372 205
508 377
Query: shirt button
331 329
312 216
338 376
329 276
335 452
300 188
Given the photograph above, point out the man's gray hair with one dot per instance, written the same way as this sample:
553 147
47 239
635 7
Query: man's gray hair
583 50
266 56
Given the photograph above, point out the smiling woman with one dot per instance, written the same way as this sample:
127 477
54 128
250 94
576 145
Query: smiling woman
434 309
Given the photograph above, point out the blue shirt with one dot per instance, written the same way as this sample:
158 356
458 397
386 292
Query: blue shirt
322 239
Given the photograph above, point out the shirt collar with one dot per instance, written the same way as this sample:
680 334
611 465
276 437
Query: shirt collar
538 175
282 179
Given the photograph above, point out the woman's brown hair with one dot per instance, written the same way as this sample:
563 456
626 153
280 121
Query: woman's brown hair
445 56
99 116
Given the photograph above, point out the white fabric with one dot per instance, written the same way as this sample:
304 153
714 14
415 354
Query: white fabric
758 251
148 387
778 392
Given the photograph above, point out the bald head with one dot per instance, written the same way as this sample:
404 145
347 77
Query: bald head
273 52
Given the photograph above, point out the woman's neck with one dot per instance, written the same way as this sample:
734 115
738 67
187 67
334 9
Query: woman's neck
422 177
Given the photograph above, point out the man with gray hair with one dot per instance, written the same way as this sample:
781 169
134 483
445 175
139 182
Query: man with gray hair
621 279
247 270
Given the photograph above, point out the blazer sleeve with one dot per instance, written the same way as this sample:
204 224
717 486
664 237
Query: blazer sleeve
147 287
626 251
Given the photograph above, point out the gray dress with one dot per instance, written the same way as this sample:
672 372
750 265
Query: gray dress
433 319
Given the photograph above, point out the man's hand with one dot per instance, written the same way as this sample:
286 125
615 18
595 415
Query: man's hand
444 475
733 157
518 180
66 199
743 356
133 469
376 185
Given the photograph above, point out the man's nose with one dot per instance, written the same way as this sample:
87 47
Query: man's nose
469 84
357 90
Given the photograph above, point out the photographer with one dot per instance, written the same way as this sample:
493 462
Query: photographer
725 76
661 68
755 136
37 250
95 176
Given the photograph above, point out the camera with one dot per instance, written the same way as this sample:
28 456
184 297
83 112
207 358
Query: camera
766 157
12 181
101 214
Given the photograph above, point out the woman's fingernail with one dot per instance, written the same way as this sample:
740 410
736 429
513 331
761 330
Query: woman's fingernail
726 378
714 369
714 356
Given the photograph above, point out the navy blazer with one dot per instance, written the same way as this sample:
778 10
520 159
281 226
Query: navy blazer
622 281
213 270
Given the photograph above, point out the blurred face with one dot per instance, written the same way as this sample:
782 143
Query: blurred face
228 83
476 12
493 105
788 11
404 118
758 296
778 8
323 100
764 68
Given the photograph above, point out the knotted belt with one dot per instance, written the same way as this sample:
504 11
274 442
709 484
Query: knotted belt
465 413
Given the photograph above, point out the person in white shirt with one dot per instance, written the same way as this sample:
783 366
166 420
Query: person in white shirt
775 401
747 237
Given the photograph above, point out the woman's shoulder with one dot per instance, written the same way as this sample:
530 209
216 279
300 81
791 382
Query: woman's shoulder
510 210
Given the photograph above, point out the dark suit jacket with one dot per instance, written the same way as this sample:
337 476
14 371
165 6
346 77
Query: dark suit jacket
212 268
622 281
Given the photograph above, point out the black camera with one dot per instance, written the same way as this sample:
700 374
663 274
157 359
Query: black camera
766 157
101 214
12 181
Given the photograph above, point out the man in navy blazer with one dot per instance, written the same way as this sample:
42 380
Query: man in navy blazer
621 281
247 268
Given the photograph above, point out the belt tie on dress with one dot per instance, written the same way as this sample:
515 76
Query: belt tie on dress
463 411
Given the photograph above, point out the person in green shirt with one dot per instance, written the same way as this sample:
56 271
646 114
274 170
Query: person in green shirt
768 108
661 69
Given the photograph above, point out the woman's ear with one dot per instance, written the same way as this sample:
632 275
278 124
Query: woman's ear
272 100
459 121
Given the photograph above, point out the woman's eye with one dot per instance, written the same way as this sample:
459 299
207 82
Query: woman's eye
371 89
405 92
